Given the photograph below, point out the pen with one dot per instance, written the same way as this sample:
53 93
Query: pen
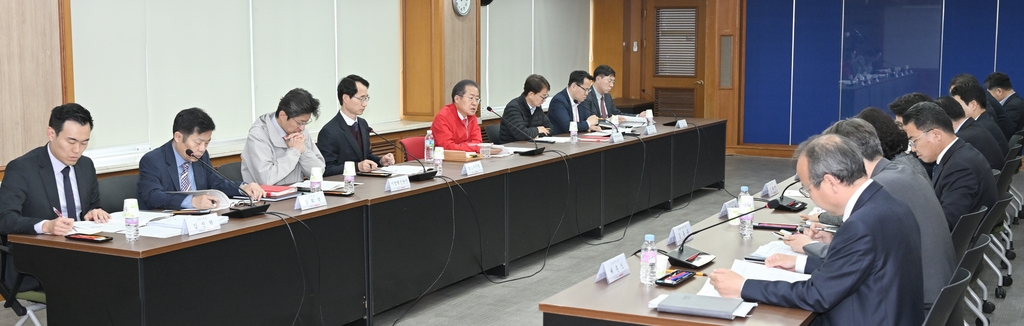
55 211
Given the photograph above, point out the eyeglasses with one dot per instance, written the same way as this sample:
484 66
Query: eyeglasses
364 98
911 142
473 98
543 97
303 123
804 192
585 90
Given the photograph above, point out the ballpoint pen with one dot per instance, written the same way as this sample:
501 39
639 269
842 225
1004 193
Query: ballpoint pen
55 211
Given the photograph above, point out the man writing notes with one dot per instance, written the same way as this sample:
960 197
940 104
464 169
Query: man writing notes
347 136
279 150
523 118
566 106
52 177
873 271
599 101
169 168
455 127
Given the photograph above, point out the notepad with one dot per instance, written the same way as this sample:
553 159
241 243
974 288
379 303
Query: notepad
755 272
698 305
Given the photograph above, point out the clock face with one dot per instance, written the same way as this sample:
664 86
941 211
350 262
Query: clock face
462 6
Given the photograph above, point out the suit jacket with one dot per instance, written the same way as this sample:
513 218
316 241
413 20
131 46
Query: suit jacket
609 105
872 275
998 114
337 145
267 160
963 182
989 123
976 135
158 175
560 113
937 256
518 124
450 133
1014 107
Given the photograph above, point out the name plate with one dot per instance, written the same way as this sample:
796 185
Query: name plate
311 200
680 124
397 183
732 203
613 269
616 137
472 168
770 189
678 233
200 224
650 130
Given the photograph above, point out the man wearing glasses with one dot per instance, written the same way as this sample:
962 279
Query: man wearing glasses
523 119
279 150
599 101
456 127
347 136
565 106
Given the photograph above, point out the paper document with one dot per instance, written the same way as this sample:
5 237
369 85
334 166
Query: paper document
598 134
403 169
774 247
154 231
177 221
559 140
791 193
222 199
755 272
511 149
325 185
116 222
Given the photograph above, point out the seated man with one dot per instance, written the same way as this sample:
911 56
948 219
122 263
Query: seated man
961 178
169 169
1001 90
565 107
972 98
51 177
347 136
523 118
873 271
456 127
599 102
279 150
972 132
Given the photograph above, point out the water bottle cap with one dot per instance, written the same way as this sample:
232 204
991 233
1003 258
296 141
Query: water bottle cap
744 189
429 131
649 237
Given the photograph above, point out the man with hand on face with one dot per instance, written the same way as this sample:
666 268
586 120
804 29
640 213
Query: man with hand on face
347 136
566 106
523 118
279 150
456 127
170 168
599 101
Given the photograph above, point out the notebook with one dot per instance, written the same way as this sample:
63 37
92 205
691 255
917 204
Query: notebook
698 305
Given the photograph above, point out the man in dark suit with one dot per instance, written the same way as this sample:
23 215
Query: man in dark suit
599 102
55 176
170 168
961 178
566 107
972 99
523 118
347 136
1001 89
994 112
873 271
972 132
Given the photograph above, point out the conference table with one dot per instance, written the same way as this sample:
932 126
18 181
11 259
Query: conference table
372 251
624 302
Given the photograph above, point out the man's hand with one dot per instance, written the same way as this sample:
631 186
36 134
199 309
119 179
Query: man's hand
810 217
98 215
204 201
594 128
495 150
254 190
543 131
622 119
592 120
797 241
818 235
296 141
643 114
727 283
781 261
58 226
367 165
387 159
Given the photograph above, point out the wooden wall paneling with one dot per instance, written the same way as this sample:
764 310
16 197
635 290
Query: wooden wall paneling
629 79
461 45
422 58
712 58
66 58
607 22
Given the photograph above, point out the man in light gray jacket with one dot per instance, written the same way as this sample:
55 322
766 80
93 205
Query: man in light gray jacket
279 150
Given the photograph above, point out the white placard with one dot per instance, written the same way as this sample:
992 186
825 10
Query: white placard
680 124
397 183
472 168
199 224
770 189
311 200
732 203
650 130
679 233
616 137
613 269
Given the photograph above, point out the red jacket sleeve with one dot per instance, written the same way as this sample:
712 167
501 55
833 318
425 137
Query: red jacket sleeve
445 134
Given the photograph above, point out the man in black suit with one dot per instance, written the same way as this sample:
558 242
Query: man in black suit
1000 88
567 106
48 178
523 118
347 136
972 132
599 102
961 178
873 271
971 98
170 168
995 112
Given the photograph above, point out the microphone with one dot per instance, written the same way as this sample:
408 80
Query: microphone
669 124
789 204
689 257
238 210
536 150
422 176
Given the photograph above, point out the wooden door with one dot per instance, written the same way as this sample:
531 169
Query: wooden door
673 59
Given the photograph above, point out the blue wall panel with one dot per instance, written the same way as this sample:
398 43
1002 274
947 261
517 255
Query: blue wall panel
969 39
766 88
1010 58
817 54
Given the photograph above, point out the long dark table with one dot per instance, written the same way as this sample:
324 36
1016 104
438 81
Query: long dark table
248 273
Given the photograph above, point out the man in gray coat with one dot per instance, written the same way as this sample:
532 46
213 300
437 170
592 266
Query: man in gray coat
279 150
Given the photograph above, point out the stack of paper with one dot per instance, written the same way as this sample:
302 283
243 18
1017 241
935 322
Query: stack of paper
771 248
755 272
116 222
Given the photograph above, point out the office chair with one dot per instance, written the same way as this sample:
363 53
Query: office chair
493 133
114 190
233 171
948 298
413 147
36 298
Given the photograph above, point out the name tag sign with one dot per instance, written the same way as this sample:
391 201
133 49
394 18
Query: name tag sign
680 124
311 200
732 203
397 183
472 168
613 269
200 224
770 189
650 130
615 138
678 233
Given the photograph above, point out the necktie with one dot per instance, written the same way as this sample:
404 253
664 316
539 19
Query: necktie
604 112
935 171
70 209
358 136
575 113
465 123
185 185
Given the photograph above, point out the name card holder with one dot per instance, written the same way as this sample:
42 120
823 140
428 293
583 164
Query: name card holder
397 183
680 124
310 200
732 203
472 168
613 269
650 130
770 189
200 224
679 233
616 137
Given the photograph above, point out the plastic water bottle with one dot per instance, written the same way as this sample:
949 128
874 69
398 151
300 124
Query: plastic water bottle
350 184
648 261
574 137
745 202
428 149
131 219
438 159
316 177
746 221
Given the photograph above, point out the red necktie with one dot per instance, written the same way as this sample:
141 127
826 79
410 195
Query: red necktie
604 112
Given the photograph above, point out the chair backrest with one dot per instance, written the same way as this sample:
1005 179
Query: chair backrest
494 133
1013 152
949 296
994 216
1015 140
963 232
114 190
233 171
413 147
1006 175
972 258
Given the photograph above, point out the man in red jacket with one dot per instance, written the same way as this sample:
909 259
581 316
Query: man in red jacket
455 127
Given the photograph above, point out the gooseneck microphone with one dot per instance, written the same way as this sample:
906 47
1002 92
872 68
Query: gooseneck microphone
789 204
687 257
422 176
536 150
236 211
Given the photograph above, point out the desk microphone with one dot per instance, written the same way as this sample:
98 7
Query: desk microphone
536 150
422 176
239 210
687 257
676 118
789 204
